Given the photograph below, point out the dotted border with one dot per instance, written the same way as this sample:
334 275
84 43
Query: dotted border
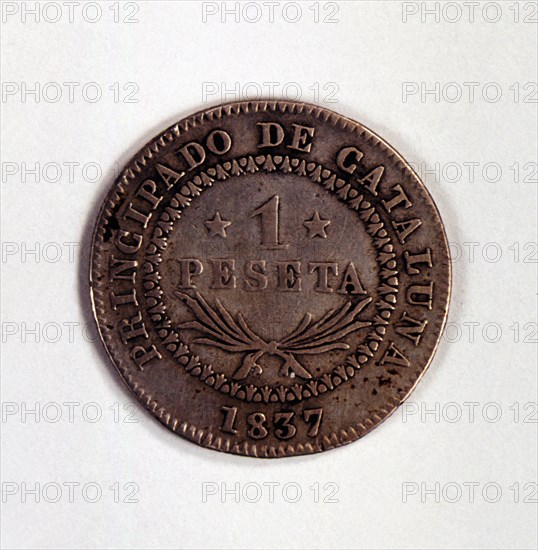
98 289
329 181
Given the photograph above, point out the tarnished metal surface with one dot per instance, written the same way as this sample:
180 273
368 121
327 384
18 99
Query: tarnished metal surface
270 278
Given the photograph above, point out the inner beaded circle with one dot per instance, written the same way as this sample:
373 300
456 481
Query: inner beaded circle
328 180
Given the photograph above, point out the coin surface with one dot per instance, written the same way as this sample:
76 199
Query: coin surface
269 278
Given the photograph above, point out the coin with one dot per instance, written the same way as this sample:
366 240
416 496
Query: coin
269 278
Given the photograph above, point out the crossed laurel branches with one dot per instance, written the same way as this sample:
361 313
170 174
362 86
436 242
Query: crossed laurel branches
309 337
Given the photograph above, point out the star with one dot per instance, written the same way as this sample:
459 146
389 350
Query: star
217 226
316 226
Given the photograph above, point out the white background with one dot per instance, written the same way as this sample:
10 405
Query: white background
369 53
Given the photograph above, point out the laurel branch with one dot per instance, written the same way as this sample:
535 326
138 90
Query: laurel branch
219 329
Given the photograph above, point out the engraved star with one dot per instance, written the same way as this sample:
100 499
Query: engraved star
316 226
217 226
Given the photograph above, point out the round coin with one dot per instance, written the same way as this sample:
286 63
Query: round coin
269 278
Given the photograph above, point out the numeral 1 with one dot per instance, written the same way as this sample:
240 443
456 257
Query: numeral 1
229 420
269 218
